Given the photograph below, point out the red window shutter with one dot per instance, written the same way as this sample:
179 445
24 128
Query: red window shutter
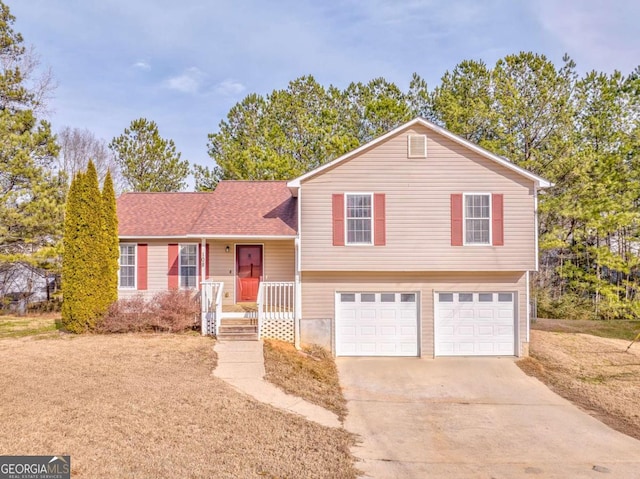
456 219
497 219
173 266
142 266
380 219
338 219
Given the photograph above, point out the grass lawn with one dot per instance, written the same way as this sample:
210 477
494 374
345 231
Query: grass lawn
311 375
147 406
44 325
606 329
591 371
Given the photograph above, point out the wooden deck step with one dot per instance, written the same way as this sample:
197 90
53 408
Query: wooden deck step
235 329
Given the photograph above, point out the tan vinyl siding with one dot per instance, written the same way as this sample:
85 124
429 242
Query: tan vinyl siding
418 226
319 288
279 263
157 259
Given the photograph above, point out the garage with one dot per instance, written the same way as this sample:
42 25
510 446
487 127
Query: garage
474 324
377 324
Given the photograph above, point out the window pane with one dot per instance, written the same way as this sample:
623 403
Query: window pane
188 266
408 298
477 231
359 219
348 298
485 297
127 266
477 218
465 297
505 297
388 297
367 298
445 297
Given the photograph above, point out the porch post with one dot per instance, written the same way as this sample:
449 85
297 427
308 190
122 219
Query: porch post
203 259
203 294
297 309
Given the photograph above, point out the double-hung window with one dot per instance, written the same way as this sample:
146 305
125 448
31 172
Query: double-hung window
359 216
477 218
188 266
127 276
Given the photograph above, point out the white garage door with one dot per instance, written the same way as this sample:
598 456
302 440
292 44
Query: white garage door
474 324
376 324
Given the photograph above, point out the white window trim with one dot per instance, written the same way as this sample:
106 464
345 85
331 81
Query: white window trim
346 218
180 245
464 218
135 266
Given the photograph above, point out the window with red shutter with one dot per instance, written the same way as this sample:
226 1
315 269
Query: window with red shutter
456 219
173 267
142 266
338 219
380 219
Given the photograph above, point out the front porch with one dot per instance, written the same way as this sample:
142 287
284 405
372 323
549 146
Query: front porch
272 316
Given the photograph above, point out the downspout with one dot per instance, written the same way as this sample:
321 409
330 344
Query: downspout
203 306
297 278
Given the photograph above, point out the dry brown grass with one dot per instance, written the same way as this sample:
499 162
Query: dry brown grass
311 375
593 372
617 328
42 325
148 406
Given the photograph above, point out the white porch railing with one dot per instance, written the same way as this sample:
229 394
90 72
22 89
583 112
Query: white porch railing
211 306
276 309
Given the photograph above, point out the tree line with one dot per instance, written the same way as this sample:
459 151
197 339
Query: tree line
582 132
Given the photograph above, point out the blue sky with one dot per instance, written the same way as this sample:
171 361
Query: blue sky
185 64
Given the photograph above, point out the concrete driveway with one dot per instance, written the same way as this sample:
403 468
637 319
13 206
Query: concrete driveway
473 417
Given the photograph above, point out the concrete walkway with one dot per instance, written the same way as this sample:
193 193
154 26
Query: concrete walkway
241 364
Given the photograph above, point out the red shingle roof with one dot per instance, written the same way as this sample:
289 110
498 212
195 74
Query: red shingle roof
242 208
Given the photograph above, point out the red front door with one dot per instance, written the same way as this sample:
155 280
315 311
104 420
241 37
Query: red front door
248 272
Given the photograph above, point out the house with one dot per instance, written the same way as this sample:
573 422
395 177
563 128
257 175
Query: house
22 284
418 243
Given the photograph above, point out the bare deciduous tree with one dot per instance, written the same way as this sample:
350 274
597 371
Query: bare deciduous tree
78 146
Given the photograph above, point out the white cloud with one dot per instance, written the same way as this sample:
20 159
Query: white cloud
230 87
142 65
188 82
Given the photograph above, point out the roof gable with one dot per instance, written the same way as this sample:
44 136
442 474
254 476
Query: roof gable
540 182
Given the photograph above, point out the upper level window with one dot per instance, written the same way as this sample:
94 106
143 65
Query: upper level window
359 218
188 266
477 219
127 276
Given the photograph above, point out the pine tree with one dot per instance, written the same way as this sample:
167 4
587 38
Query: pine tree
147 161
32 195
83 271
112 246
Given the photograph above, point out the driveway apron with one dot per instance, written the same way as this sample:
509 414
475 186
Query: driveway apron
473 418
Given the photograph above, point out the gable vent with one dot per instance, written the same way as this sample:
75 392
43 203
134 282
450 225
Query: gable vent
417 146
